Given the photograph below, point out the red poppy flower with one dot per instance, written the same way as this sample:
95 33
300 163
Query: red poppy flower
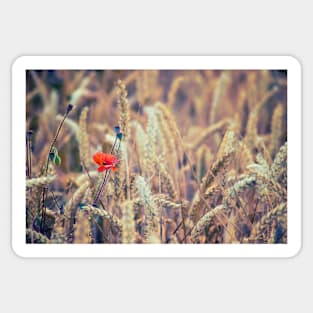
105 161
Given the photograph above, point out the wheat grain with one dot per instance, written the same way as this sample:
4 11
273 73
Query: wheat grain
113 220
276 128
247 157
241 185
259 229
34 237
151 210
224 156
168 116
82 228
279 166
71 207
218 94
204 221
128 235
39 181
164 202
150 144
173 90
201 137
84 151
123 107
168 181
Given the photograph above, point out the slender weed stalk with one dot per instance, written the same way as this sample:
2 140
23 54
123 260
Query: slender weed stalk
98 195
45 189
208 166
29 135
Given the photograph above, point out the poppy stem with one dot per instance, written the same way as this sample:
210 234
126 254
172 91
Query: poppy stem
112 149
101 188
107 174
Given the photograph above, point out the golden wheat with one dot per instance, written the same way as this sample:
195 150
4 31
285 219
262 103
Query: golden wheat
39 181
204 221
202 157
84 150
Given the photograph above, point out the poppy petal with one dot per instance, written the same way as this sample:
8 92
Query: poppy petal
98 158
109 158
101 169
115 169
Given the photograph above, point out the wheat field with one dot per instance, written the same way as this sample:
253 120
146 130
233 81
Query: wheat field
156 156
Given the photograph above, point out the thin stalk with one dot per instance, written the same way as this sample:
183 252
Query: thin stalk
112 149
28 154
43 209
45 189
183 220
106 176
101 187
68 110
29 173
92 185
127 173
55 200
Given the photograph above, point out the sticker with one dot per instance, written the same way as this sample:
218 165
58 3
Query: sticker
156 156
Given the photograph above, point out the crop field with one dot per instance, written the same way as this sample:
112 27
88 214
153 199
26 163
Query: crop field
156 156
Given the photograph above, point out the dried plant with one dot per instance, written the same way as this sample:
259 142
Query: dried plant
156 156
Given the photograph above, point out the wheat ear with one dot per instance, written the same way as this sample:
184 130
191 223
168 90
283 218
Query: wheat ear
279 166
276 129
84 151
202 136
39 181
170 120
128 234
114 221
71 207
258 231
204 221
34 237
173 90
150 145
82 228
151 210
123 108
218 94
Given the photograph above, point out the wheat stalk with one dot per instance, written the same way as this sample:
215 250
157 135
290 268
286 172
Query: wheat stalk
39 181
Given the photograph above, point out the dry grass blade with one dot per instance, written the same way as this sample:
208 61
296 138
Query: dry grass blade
156 156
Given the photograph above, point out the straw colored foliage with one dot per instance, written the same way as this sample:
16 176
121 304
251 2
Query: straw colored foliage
202 157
